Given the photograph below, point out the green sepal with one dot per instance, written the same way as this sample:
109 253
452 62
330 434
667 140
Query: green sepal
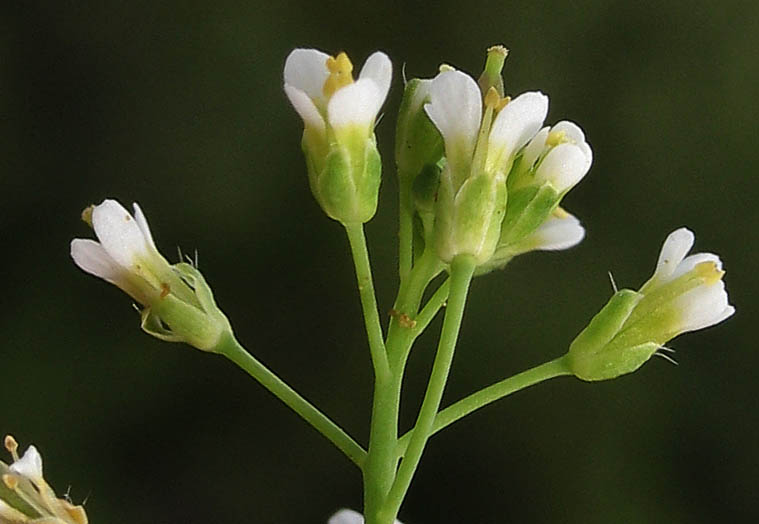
528 208
594 355
348 187
418 143
171 319
469 221
425 189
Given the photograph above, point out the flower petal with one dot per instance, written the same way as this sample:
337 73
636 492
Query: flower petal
357 103
456 110
563 166
675 247
306 70
535 148
691 261
348 516
703 306
305 107
515 125
378 68
118 232
142 222
93 259
29 465
558 233
571 131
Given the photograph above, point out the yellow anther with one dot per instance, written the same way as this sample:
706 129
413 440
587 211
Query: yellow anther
556 137
492 99
10 444
87 215
340 74
10 481
445 67
560 213
709 272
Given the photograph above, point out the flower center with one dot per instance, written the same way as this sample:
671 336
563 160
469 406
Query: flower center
340 74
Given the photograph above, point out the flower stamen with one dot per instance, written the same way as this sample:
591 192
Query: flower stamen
340 74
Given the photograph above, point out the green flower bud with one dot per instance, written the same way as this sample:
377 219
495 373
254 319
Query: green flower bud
178 305
685 294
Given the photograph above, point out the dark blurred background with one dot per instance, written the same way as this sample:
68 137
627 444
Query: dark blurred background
179 105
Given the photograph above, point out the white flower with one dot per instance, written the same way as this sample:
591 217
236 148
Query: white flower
126 254
455 108
684 294
689 286
322 90
560 155
29 465
348 516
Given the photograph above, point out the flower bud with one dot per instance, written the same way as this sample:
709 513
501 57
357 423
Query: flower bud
177 303
338 113
684 294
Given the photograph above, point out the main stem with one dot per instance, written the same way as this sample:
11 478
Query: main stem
231 348
462 270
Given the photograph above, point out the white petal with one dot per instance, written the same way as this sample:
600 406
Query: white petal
29 465
515 125
691 261
305 107
456 110
703 306
564 166
119 233
558 233
571 130
379 69
348 516
535 147
357 103
92 258
306 70
142 222
675 247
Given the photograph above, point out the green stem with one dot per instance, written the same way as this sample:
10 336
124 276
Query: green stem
462 270
382 460
475 401
429 311
368 298
231 348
